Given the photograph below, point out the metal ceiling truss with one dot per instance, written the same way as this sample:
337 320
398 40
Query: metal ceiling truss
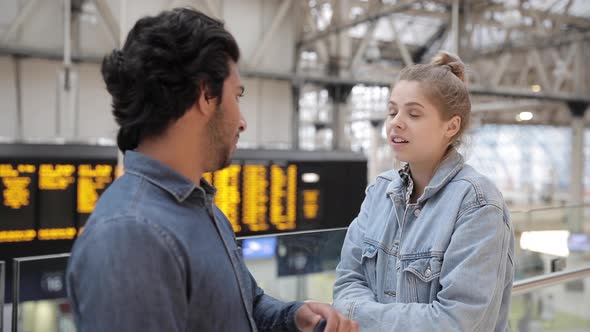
538 54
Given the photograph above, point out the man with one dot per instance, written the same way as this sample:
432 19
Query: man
157 254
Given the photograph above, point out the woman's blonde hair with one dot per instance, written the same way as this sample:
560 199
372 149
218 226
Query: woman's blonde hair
444 82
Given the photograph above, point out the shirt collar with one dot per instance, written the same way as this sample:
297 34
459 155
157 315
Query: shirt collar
451 164
165 177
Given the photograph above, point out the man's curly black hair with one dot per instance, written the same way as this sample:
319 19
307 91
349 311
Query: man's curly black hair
166 63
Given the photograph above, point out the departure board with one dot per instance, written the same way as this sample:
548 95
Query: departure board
93 180
283 197
17 212
57 198
49 191
227 182
255 198
274 196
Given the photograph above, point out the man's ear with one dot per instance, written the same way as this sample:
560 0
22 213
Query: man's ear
205 104
453 126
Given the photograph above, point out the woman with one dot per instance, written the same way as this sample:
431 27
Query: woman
432 247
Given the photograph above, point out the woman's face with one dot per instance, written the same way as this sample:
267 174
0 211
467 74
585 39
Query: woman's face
416 131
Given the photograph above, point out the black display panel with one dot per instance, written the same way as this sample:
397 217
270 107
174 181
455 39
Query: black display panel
18 187
56 200
274 196
48 192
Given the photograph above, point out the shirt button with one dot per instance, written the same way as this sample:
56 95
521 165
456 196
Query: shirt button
428 272
396 243
417 212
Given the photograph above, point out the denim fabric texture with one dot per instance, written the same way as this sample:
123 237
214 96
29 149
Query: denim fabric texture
158 255
443 263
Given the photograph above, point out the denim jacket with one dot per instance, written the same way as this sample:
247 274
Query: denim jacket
158 255
443 263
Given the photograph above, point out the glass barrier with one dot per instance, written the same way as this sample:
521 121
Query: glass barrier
2 284
561 307
551 239
301 266
39 295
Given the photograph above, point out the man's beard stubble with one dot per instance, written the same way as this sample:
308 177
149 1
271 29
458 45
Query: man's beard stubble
220 153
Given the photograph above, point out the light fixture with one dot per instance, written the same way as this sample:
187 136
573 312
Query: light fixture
535 88
524 116
310 177
547 242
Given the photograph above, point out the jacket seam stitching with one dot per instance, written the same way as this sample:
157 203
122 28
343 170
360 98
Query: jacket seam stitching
478 325
178 196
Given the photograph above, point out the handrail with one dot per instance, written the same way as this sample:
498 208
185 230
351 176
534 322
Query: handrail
311 231
42 257
530 284
556 207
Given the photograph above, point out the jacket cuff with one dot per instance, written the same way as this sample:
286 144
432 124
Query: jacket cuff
350 309
290 324
345 307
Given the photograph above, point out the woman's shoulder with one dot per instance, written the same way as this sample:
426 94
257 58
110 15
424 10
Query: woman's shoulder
481 189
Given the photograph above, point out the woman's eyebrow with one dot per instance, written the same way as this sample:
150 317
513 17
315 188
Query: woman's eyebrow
413 103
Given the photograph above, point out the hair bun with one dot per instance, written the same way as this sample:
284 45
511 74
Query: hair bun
457 67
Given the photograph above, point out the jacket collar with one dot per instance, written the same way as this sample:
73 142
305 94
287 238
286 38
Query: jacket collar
451 164
165 177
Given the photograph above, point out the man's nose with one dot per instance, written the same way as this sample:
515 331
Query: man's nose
243 123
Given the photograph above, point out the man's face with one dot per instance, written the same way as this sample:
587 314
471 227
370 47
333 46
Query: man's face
227 123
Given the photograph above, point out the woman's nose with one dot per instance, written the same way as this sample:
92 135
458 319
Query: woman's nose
396 122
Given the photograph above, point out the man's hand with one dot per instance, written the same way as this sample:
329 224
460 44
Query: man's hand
310 313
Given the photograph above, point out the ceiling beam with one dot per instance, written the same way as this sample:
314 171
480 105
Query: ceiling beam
545 42
373 16
19 20
323 79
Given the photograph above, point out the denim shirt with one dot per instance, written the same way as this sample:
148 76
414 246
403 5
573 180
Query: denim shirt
443 263
158 255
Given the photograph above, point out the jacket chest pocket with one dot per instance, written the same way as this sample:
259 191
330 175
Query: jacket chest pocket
421 277
369 264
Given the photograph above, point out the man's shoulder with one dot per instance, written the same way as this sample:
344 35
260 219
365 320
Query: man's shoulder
125 198
122 234
114 226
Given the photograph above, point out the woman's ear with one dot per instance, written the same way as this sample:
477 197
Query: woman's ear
453 126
